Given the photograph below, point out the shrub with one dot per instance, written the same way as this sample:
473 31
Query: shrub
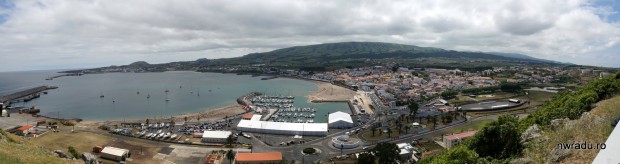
309 150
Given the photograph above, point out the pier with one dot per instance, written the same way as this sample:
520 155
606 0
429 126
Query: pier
68 74
24 93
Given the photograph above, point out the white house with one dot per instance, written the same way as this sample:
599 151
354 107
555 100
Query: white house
215 136
113 153
340 120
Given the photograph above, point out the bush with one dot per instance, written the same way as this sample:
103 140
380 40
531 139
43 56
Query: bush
74 152
309 150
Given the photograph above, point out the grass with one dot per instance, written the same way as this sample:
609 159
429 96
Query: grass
15 153
588 130
473 126
84 142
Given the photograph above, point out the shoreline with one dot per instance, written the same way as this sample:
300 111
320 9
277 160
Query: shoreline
325 92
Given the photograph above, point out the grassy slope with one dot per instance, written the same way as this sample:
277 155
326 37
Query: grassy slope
15 153
590 132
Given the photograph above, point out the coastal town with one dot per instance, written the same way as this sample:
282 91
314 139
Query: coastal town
419 109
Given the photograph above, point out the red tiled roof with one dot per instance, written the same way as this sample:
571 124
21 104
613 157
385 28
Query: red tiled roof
268 156
24 128
248 116
461 135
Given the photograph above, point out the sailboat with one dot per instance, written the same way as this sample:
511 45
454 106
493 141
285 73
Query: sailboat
137 91
148 96
198 92
101 96
167 99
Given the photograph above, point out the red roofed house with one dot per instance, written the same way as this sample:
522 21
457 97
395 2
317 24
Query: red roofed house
23 131
258 158
453 140
247 116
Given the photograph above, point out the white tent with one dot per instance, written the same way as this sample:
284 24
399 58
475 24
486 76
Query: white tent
113 153
340 120
284 128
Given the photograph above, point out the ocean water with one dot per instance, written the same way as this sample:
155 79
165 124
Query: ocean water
79 96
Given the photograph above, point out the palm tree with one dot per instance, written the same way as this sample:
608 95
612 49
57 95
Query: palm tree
389 132
230 155
373 129
229 140
434 120
407 128
400 127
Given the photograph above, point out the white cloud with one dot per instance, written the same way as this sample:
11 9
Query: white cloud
60 34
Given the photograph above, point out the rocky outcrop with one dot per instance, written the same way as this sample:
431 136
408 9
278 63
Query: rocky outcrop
532 133
558 154
60 153
522 161
558 123
90 158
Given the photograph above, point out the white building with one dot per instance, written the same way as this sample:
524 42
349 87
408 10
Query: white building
215 136
113 153
340 120
406 151
283 128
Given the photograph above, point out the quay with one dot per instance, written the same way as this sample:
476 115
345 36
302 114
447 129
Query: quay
68 74
24 93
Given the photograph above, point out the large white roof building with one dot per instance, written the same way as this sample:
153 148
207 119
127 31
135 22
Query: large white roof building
340 120
215 136
284 128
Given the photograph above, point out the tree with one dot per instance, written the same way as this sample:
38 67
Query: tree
460 154
413 108
230 140
389 132
449 94
400 127
373 129
499 139
510 87
230 155
185 118
407 128
434 120
147 121
366 158
387 153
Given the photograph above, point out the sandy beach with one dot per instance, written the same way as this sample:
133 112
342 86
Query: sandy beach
330 92
206 115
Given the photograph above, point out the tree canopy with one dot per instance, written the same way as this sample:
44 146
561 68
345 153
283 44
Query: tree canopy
386 153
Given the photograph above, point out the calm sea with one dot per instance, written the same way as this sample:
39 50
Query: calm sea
80 96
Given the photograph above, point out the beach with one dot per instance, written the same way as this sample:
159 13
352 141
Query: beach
206 115
330 92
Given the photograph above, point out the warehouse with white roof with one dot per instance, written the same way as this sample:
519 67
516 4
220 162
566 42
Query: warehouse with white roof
215 136
340 120
283 128
113 153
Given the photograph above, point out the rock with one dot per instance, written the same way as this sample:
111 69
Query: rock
558 154
90 158
521 161
585 115
60 153
558 123
533 132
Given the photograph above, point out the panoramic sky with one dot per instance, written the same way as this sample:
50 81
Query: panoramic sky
61 34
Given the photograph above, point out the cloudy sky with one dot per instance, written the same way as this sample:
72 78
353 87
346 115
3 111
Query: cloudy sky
41 34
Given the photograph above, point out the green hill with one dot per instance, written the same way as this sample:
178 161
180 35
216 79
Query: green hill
15 150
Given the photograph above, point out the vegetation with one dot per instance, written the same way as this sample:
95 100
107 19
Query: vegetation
386 153
571 105
500 140
15 150
73 152
457 155
309 150
449 94
482 90
366 158
230 155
